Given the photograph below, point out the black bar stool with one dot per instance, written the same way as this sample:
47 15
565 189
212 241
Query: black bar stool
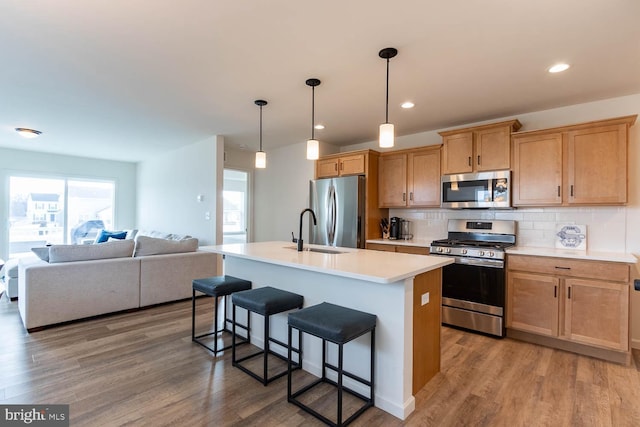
216 286
265 301
338 325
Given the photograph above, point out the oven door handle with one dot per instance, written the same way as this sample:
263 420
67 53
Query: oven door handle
492 263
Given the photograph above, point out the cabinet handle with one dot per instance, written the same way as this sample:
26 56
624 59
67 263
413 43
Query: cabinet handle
558 191
478 160
569 292
411 196
571 190
469 161
404 197
335 167
341 166
555 291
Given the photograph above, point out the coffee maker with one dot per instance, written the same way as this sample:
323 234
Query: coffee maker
395 228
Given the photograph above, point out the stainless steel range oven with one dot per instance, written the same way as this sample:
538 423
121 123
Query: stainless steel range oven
474 286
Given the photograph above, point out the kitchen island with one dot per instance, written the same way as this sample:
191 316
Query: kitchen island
402 290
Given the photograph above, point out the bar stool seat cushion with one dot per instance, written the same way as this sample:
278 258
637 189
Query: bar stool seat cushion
218 286
267 300
332 322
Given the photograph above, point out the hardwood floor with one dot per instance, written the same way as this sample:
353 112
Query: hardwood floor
141 368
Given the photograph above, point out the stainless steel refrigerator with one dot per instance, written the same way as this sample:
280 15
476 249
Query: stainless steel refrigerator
339 207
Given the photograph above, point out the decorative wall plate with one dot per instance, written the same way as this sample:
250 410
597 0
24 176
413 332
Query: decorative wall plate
571 236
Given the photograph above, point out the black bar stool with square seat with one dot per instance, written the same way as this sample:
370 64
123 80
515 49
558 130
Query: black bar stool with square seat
216 287
265 301
339 325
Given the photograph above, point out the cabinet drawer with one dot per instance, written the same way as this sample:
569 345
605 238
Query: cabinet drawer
610 271
381 247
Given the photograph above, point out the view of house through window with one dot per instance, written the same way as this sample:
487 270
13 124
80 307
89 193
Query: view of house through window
57 211
235 200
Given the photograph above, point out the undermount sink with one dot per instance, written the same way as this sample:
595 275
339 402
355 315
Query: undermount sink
321 250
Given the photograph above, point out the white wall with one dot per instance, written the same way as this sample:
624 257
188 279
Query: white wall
281 193
19 162
615 229
168 187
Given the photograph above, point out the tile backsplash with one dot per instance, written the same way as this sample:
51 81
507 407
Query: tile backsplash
606 226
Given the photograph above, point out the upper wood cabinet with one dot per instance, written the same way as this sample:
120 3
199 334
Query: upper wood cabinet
584 164
410 178
341 165
479 148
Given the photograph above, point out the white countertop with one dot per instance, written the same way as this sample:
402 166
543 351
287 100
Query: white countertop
423 243
372 266
569 253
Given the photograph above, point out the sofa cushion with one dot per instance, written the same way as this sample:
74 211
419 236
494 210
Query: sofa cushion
146 245
68 253
104 235
42 252
10 269
162 235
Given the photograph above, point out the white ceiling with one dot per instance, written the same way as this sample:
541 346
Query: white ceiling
123 80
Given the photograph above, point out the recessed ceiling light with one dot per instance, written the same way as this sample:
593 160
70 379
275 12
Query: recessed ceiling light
28 133
558 68
408 104
319 127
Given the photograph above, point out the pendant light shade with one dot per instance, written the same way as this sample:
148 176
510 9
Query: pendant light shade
386 129
313 146
261 156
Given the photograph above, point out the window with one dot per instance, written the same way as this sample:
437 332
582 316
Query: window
56 211
235 200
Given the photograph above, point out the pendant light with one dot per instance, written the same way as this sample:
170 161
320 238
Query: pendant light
261 156
313 146
386 129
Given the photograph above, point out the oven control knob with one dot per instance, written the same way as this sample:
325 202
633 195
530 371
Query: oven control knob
448 250
439 250
491 254
481 253
464 251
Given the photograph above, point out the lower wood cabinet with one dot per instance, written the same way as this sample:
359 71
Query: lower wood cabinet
417 250
576 301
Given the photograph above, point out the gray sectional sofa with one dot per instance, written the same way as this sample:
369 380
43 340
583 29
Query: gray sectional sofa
79 281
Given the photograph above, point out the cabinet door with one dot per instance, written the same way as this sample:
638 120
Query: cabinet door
423 179
352 165
392 180
537 170
597 165
457 153
326 168
597 313
493 149
533 303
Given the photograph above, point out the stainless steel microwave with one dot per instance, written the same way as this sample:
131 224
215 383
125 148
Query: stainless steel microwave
476 190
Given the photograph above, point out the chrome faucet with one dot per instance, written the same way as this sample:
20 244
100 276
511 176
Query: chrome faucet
299 239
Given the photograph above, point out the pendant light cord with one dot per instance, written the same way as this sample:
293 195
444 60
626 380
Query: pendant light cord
313 110
386 117
261 128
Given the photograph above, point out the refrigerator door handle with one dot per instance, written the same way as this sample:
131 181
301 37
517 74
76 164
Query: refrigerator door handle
331 223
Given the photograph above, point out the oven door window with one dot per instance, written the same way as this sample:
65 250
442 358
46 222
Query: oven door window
484 285
467 191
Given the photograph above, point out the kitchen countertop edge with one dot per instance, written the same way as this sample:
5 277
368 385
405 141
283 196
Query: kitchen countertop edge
621 257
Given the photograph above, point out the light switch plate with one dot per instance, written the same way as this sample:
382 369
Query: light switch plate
425 298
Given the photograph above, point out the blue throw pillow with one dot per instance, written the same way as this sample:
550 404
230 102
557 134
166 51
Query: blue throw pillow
104 235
